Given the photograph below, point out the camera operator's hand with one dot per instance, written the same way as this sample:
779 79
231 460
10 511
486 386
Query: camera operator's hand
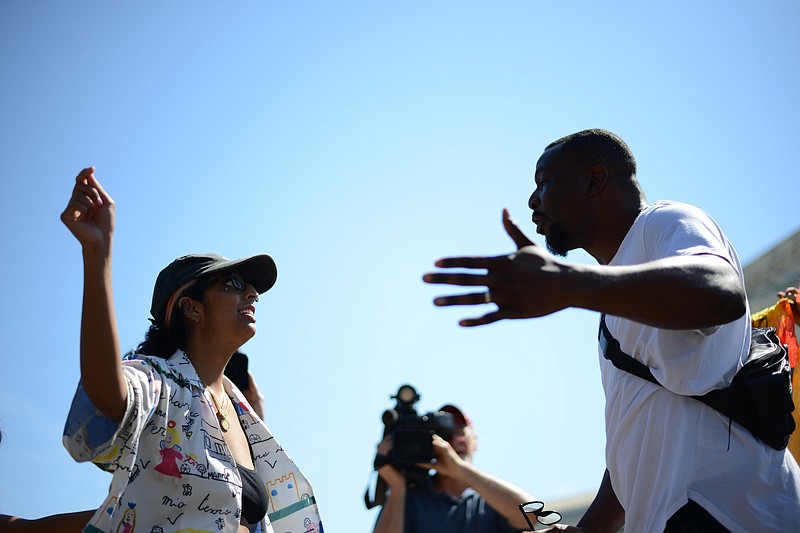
448 463
393 477
392 517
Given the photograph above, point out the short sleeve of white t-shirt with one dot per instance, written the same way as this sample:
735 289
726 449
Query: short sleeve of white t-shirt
685 362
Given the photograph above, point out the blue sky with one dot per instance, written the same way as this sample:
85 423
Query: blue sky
357 142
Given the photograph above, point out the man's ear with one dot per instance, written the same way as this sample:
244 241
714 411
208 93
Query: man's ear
598 178
189 308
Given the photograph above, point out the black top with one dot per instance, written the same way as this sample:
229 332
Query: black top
254 495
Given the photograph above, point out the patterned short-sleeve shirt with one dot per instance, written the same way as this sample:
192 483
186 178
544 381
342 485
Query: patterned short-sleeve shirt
172 470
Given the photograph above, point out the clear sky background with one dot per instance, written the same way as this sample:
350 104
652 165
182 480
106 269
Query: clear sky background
357 142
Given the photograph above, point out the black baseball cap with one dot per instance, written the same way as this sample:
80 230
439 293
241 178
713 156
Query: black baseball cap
258 270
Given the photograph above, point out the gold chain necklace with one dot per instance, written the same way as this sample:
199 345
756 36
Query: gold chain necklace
222 411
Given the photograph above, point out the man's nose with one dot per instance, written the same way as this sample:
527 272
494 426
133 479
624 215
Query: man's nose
533 201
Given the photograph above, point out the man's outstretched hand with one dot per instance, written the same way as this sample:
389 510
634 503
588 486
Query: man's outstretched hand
525 284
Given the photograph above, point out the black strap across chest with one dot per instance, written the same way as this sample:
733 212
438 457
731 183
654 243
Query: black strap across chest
621 360
759 396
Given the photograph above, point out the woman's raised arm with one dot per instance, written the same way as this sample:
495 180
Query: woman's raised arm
89 216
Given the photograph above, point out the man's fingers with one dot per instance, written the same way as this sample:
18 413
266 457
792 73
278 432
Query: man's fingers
519 238
488 318
474 298
471 262
462 279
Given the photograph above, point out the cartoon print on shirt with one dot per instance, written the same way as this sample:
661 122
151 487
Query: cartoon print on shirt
282 492
181 450
215 449
110 456
190 417
309 525
216 446
110 504
170 452
128 523
189 462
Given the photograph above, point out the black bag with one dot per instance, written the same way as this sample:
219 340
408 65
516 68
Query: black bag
759 396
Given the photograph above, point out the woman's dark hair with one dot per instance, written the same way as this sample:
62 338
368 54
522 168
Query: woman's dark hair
163 341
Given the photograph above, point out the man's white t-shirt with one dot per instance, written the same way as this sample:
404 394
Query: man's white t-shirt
663 448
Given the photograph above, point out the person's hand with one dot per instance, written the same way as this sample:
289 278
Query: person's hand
89 215
253 396
564 527
393 477
448 463
524 284
791 294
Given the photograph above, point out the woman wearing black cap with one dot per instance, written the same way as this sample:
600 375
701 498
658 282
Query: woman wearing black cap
187 450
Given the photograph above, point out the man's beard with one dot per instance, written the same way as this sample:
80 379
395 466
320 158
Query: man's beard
558 240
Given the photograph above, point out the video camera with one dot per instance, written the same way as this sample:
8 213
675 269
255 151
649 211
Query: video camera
413 433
